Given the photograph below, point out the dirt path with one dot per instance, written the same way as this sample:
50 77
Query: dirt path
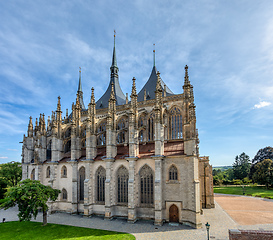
247 210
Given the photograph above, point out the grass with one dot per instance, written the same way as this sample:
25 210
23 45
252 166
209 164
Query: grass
260 191
35 230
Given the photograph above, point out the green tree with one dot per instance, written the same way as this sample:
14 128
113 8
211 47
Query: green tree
3 186
30 196
11 173
262 154
241 166
263 173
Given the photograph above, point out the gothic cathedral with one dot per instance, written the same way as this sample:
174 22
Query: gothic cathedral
136 159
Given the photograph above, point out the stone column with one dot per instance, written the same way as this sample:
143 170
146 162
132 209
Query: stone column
132 217
108 188
74 191
36 172
158 198
88 207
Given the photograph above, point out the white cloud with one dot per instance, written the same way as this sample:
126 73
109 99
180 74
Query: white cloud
3 157
13 150
262 104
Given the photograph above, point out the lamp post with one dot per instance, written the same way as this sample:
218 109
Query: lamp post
207 226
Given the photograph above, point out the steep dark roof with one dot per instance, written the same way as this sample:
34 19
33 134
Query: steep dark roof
150 87
119 95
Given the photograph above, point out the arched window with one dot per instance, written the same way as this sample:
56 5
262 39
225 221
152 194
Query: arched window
123 176
146 185
151 127
48 172
141 136
175 122
67 146
64 172
32 175
121 131
173 173
101 138
64 194
67 133
81 183
101 176
48 150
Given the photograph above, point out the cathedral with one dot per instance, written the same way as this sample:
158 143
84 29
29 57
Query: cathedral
134 158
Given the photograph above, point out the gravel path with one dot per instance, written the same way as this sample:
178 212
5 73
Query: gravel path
218 218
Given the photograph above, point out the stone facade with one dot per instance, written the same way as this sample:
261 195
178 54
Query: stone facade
136 159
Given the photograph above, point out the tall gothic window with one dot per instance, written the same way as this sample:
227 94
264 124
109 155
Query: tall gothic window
101 138
64 194
81 183
101 176
175 121
48 172
141 126
122 188
151 127
67 146
64 172
32 175
146 185
83 137
48 150
67 140
121 131
173 173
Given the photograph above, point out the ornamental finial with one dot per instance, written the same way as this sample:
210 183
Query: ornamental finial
154 55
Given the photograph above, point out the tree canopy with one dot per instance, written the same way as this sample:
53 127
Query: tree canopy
30 195
264 172
241 166
262 154
11 173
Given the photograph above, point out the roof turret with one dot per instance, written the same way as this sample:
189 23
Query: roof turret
79 92
114 79
148 91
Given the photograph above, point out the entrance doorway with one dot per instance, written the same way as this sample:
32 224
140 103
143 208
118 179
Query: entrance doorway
173 213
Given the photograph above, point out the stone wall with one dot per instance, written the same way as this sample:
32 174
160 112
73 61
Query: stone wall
235 234
206 183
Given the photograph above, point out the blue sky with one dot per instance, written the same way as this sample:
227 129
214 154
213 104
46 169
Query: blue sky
228 46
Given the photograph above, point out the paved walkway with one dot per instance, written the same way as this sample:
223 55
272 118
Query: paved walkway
218 218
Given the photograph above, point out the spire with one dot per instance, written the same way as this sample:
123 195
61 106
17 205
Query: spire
79 92
59 104
30 128
80 80
186 78
114 59
154 55
118 94
92 96
134 93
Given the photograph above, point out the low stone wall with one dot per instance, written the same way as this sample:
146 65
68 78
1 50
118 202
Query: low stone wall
235 234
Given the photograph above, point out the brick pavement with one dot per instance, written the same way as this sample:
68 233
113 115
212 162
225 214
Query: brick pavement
219 220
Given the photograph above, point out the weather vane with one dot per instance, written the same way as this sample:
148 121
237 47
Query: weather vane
114 33
80 69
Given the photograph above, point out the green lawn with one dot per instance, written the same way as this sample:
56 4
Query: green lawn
34 230
249 190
